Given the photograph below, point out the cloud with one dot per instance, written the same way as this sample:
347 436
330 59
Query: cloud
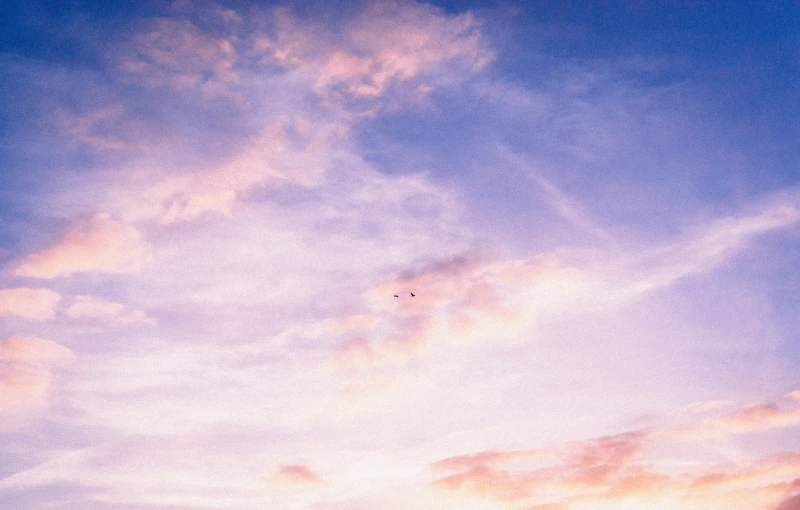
627 467
578 467
299 474
29 303
26 366
390 52
467 295
712 244
394 43
451 297
465 462
388 44
97 244
792 503
279 243
177 54
109 129
704 407
748 419
287 152
109 312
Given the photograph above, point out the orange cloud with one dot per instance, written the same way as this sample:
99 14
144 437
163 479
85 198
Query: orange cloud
599 463
97 244
26 366
32 304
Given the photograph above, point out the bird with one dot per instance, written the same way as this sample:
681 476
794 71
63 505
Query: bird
396 295
412 294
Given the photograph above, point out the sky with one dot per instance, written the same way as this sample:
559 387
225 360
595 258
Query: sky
213 215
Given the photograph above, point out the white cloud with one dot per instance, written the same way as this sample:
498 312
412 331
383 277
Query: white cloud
109 312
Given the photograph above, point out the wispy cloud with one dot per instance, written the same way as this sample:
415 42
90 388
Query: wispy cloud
26 375
752 418
237 229
97 244
177 54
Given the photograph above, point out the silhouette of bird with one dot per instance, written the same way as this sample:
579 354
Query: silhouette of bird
396 295
412 294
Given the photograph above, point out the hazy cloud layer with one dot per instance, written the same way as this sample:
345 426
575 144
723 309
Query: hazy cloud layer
215 216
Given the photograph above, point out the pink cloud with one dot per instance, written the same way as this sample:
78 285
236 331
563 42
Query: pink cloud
28 303
487 458
794 395
389 44
752 418
33 350
599 463
299 474
289 151
451 297
792 503
97 244
26 374
624 468
177 54
393 43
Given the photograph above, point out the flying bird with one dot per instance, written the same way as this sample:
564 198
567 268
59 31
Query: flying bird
396 295
412 294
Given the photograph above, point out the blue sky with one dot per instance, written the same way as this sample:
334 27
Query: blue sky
209 207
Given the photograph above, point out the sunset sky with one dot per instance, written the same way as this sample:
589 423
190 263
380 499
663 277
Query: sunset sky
206 209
